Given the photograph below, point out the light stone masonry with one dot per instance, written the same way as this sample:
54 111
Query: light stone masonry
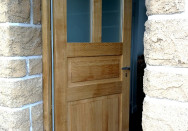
37 117
14 120
166 42
16 93
165 107
164 6
37 11
15 11
164 82
164 115
35 66
20 41
20 66
12 68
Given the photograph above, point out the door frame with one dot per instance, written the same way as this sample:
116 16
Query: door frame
47 60
47 65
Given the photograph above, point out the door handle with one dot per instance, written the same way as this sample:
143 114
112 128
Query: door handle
126 68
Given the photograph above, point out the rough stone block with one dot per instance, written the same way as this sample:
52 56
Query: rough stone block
16 93
14 120
12 68
166 42
16 11
164 6
37 11
163 82
37 117
164 115
20 41
35 66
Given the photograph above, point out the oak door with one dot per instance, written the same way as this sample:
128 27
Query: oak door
91 89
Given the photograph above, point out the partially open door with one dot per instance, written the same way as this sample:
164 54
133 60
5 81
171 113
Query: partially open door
90 50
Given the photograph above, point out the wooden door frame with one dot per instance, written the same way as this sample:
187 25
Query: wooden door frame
47 75
47 66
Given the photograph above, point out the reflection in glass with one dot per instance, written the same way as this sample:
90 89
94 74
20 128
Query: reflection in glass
78 20
111 21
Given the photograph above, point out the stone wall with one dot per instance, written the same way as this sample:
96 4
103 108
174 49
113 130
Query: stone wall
166 76
20 66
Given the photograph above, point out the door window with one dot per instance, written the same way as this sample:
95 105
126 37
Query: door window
80 17
78 20
111 21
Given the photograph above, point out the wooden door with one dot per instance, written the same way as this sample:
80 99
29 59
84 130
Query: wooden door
91 90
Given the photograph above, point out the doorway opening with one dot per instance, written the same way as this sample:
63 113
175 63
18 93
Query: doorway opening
69 55
92 40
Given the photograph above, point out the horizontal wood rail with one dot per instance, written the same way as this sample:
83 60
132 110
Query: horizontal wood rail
94 90
93 49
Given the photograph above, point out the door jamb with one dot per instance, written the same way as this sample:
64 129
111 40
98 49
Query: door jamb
47 65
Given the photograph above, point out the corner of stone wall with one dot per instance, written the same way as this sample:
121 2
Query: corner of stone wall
21 106
165 107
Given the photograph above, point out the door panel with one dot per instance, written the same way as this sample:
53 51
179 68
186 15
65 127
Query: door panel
93 76
95 114
91 90
83 69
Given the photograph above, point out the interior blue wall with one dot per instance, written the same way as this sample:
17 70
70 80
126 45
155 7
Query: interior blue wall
137 47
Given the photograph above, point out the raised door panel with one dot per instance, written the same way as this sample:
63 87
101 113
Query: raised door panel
93 68
90 77
95 114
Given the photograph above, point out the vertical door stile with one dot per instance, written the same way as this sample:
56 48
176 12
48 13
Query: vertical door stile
96 20
126 35
60 64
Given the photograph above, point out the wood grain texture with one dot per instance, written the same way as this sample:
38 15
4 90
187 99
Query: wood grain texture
60 64
96 20
127 24
94 90
93 68
47 76
79 87
94 49
95 114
